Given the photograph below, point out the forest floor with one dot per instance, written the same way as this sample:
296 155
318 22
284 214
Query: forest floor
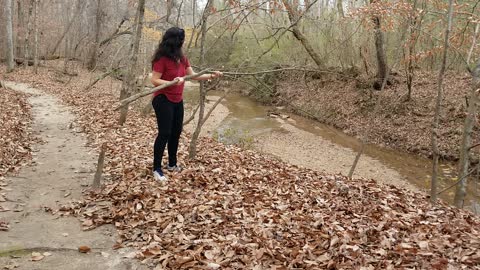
231 208
383 118
62 167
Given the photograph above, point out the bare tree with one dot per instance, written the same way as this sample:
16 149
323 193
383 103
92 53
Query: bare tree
19 31
466 144
474 42
192 150
76 13
129 82
438 104
9 37
27 34
295 21
35 42
414 23
340 8
92 61
382 66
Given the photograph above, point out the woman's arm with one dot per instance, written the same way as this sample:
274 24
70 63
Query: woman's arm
204 77
156 79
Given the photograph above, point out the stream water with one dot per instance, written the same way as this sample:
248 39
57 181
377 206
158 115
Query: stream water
249 119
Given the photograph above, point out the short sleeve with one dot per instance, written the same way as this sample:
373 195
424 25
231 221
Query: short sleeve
159 65
187 63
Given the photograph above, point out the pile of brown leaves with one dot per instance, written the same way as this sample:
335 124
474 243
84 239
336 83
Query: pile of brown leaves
15 131
237 209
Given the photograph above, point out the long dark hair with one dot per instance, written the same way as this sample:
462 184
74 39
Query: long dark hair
171 45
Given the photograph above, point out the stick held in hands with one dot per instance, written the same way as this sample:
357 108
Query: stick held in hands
132 98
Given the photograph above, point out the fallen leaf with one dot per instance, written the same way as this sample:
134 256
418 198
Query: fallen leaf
84 249
36 256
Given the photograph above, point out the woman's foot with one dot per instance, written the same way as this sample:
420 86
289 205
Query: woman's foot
174 168
158 176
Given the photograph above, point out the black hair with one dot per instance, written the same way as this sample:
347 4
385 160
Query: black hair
171 45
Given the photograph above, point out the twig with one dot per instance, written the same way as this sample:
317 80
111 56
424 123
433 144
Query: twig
132 98
101 77
213 107
198 106
473 146
357 158
192 116
456 183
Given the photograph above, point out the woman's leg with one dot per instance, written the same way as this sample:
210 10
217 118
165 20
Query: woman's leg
164 112
175 135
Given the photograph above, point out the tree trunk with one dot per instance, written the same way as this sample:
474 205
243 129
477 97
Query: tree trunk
382 66
77 12
129 82
474 42
470 120
414 23
35 27
340 8
20 26
192 151
9 38
92 61
28 33
438 105
295 21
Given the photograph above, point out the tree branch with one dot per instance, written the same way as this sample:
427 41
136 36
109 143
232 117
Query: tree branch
132 98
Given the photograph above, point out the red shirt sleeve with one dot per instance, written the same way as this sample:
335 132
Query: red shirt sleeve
159 66
187 63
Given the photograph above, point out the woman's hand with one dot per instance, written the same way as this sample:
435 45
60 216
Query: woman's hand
181 80
216 74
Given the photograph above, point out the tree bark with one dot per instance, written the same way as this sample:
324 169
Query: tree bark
466 144
292 16
9 37
92 61
129 82
340 8
192 150
35 27
20 26
474 42
438 104
26 48
382 66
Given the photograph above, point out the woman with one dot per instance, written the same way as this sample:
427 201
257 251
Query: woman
169 64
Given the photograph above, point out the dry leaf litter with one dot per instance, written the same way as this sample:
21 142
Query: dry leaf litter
236 209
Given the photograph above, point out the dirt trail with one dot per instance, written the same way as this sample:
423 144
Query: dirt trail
62 167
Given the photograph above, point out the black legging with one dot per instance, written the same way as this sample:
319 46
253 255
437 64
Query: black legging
170 122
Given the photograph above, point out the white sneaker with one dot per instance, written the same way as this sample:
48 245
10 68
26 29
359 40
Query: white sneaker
174 168
158 176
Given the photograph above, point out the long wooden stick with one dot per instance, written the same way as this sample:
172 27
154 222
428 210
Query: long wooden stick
125 102
98 173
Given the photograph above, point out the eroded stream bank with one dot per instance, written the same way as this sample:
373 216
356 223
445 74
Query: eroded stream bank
304 142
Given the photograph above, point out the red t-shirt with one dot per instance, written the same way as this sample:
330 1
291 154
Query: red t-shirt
171 70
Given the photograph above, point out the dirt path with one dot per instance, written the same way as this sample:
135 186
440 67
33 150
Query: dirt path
63 166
